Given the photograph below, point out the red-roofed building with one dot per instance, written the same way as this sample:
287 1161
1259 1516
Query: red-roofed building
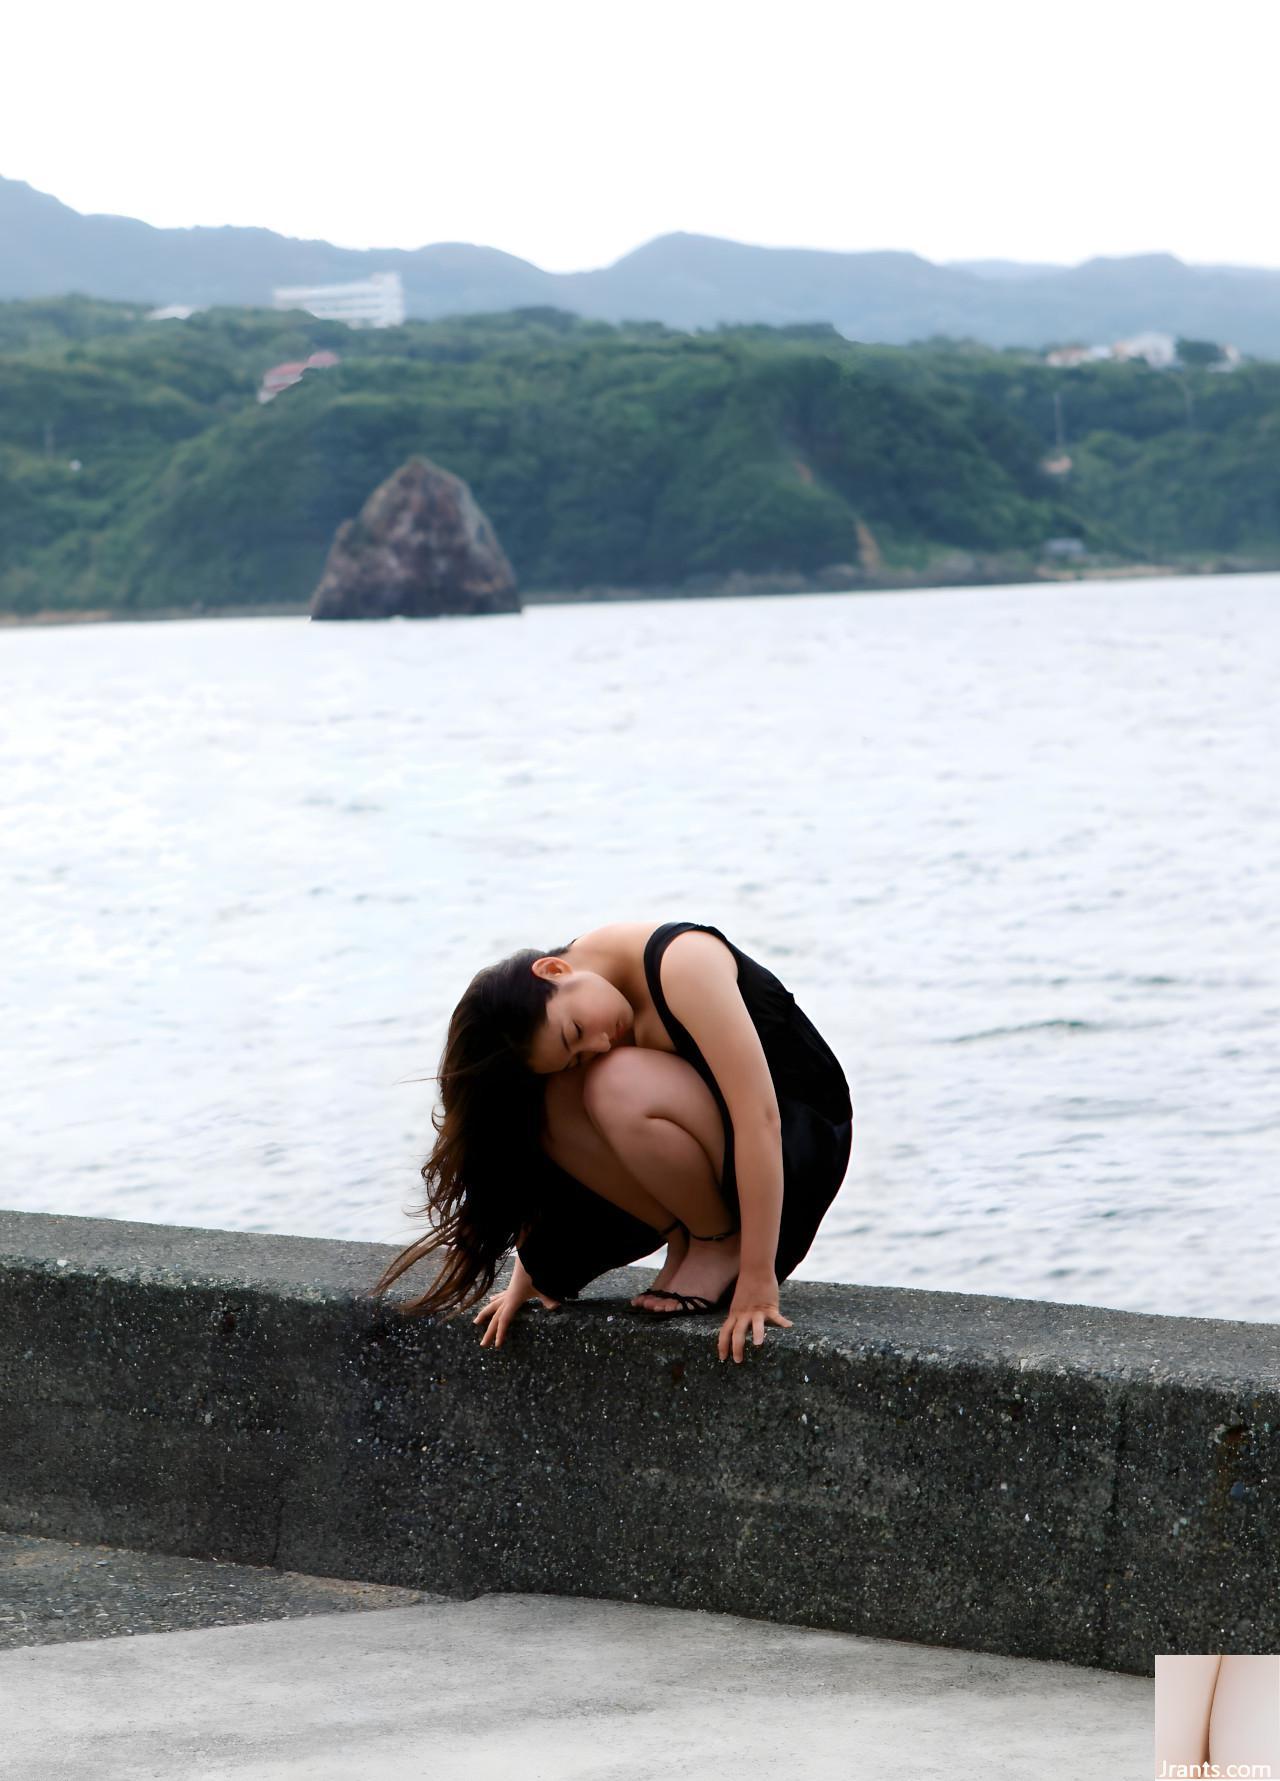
279 377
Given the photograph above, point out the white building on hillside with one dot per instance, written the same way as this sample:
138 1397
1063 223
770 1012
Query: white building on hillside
1156 349
1229 360
373 302
1076 355
1160 350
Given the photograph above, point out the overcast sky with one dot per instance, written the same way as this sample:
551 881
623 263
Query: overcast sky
571 131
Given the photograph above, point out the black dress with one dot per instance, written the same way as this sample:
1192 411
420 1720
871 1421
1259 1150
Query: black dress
577 1235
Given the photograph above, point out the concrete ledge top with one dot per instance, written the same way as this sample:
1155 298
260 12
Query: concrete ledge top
833 1318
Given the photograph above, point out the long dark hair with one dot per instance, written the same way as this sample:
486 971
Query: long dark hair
483 1173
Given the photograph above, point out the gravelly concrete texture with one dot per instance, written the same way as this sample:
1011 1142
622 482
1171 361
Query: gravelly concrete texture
998 1475
551 1689
54 1591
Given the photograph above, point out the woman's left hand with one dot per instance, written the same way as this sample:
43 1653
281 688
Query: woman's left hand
755 1303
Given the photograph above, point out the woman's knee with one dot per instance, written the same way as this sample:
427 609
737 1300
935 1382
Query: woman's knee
628 1087
619 1082
631 1083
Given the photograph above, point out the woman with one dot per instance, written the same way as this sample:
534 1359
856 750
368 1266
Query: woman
641 1082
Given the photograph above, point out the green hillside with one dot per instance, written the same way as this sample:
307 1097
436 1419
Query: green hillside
632 455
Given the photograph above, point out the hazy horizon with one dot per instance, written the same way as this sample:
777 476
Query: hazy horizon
572 138
784 246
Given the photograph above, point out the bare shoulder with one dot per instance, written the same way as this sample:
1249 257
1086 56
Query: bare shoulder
695 955
698 954
626 936
695 943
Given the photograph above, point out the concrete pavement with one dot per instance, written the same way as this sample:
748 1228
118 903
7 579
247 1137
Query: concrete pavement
554 1688
54 1591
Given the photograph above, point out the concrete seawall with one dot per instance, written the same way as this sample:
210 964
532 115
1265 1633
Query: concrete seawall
1002 1475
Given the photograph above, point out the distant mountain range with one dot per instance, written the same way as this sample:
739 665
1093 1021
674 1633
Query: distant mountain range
687 281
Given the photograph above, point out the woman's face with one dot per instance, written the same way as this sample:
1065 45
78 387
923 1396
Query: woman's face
586 1017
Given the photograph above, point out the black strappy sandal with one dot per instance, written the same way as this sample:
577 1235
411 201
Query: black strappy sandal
692 1304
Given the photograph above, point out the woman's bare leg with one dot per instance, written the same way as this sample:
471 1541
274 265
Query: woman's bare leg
642 1129
658 1115
1244 1727
1184 1698
662 1120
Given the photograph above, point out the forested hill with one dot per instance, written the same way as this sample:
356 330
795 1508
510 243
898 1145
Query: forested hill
138 469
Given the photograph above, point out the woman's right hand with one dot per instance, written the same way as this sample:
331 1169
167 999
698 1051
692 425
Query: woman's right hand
497 1315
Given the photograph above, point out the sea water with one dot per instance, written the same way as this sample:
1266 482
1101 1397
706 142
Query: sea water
1016 850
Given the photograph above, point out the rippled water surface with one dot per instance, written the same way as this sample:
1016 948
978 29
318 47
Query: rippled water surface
1015 850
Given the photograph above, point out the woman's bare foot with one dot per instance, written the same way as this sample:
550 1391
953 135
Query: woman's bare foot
677 1249
706 1269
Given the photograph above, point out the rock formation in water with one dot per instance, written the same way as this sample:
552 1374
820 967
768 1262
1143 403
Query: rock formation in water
420 547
